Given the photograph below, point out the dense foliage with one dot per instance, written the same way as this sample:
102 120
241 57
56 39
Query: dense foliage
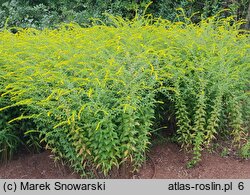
94 94
48 13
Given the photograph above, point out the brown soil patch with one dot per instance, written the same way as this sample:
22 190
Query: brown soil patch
35 166
170 163
165 161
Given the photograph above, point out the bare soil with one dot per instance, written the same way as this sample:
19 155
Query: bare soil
165 161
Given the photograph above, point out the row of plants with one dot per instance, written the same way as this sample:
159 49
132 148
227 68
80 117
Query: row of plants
93 96
44 13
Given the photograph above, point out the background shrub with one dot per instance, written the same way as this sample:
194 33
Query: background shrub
44 13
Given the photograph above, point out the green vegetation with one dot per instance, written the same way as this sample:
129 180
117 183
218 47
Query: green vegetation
48 13
245 150
93 95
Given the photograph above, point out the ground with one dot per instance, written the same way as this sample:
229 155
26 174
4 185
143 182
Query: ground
165 161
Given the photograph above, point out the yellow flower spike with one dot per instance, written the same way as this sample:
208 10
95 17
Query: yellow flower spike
98 81
98 125
90 92
152 68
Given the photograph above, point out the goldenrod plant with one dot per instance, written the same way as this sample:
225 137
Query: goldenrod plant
92 93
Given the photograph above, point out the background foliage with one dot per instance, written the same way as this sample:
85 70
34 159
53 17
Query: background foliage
48 13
